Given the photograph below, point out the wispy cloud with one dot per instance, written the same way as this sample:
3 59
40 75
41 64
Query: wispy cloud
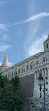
3 27
4 47
32 18
37 46
37 16
33 31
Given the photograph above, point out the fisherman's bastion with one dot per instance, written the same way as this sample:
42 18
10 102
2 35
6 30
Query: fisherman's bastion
28 71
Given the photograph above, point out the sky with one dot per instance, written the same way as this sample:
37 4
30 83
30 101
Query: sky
24 26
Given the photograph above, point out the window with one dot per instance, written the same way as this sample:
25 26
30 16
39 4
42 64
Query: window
15 73
46 45
37 62
44 59
23 68
44 71
12 73
27 67
31 66
19 70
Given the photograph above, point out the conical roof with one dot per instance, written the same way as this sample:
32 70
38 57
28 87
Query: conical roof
5 62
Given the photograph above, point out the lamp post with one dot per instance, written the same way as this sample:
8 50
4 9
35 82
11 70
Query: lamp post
44 93
41 81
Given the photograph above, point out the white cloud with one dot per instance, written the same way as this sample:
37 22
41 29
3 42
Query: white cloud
37 16
37 46
33 31
3 27
4 47
32 18
10 64
0 63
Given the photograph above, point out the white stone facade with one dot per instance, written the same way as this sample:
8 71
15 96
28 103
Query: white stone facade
32 65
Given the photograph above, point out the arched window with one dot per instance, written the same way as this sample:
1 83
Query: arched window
27 67
15 73
23 68
46 45
19 71
8 74
40 70
43 71
44 59
31 66
36 74
12 73
46 70
37 62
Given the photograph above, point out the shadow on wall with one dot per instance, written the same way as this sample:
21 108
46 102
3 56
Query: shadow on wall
27 85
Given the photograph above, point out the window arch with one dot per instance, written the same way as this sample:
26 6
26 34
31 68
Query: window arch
46 70
12 73
44 59
31 65
43 71
23 68
27 67
37 62
15 73
46 45
19 71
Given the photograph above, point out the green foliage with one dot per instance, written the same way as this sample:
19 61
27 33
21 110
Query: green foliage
15 81
3 80
11 98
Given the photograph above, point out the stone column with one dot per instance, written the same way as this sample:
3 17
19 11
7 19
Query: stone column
48 81
36 93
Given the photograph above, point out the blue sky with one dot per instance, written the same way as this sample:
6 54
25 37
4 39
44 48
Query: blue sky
24 26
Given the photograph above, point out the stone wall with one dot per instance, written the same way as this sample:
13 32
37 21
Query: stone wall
27 85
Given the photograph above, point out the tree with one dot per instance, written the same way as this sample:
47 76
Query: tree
11 97
3 80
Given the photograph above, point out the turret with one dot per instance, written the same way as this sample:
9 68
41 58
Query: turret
5 62
46 45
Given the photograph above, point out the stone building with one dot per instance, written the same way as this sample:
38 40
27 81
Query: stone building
28 71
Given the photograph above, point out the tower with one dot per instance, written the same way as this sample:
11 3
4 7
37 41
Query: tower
46 45
5 62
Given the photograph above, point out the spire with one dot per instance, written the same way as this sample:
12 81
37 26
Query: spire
5 62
